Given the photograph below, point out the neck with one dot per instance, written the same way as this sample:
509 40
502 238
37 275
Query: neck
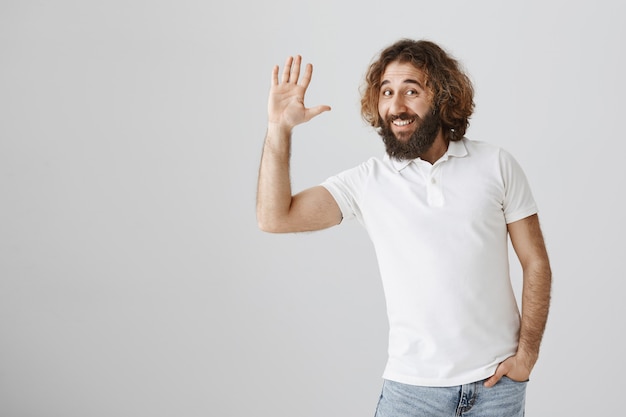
437 149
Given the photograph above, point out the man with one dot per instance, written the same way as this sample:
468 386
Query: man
439 209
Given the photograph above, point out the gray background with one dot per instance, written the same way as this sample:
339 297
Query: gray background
133 278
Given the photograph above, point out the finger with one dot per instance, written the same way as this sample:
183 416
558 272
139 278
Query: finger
493 380
295 69
275 75
306 77
501 370
287 69
316 111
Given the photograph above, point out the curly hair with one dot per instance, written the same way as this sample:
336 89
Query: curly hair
451 88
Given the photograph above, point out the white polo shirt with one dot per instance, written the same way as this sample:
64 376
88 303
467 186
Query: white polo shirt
440 236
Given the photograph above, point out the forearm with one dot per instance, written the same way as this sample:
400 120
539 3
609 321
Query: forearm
274 184
535 307
528 243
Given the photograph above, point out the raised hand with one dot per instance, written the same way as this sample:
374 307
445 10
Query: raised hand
286 100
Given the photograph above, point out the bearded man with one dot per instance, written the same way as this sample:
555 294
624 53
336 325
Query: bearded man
439 209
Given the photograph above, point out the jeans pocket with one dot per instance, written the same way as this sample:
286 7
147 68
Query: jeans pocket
515 381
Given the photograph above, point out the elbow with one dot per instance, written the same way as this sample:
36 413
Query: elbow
269 225
263 224
269 228
271 220
542 268
266 227
263 220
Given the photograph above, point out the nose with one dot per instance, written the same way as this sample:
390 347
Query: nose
398 105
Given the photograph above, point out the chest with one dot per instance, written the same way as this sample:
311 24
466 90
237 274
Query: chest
420 196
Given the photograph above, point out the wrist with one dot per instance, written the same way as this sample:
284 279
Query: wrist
278 138
527 358
278 129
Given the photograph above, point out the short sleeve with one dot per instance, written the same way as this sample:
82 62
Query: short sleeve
347 188
518 198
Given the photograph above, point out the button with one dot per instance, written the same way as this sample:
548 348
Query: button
433 181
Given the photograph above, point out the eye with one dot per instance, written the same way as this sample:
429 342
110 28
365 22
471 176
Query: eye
411 92
386 93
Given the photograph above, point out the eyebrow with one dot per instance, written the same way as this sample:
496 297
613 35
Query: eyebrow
407 81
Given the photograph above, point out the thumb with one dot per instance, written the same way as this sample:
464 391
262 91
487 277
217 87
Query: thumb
501 370
316 111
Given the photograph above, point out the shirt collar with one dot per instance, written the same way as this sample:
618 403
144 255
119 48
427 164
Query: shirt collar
455 148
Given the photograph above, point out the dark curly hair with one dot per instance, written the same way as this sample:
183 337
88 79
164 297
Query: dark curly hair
452 90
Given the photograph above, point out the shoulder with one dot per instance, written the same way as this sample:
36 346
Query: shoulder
479 147
359 177
489 151
367 168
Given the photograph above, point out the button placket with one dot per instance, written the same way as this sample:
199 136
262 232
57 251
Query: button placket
435 192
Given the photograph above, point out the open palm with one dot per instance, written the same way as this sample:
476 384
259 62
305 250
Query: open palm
286 100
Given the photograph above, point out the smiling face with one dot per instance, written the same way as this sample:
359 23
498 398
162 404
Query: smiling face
410 126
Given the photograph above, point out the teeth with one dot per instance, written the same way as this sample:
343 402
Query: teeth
399 122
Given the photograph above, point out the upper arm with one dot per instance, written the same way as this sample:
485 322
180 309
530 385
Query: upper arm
311 209
528 242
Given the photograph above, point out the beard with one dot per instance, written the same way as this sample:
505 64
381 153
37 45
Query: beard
417 143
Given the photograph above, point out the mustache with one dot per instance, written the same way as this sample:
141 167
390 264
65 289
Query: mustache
402 116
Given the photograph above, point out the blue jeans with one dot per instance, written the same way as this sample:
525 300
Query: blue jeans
506 399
